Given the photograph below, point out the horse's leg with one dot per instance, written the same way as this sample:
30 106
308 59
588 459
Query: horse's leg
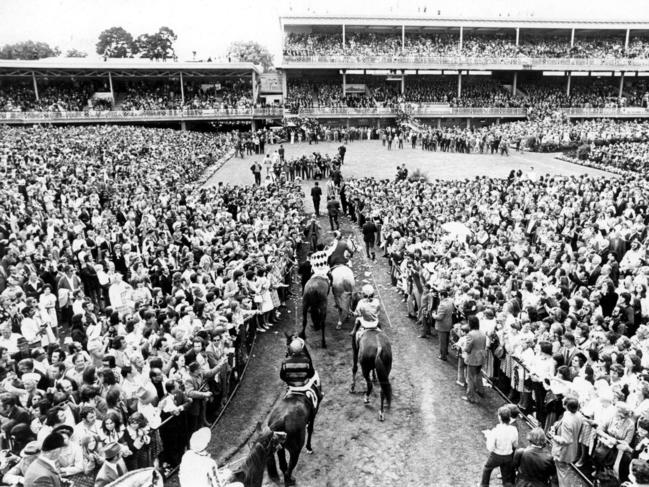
271 466
309 434
368 381
354 363
322 316
281 457
294 452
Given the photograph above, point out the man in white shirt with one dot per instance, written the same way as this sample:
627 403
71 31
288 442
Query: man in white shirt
8 339
502 441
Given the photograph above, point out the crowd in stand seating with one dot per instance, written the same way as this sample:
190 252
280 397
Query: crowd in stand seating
624 158
121 305
555 270
136 96
473 45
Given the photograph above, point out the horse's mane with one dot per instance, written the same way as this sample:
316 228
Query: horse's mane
255 462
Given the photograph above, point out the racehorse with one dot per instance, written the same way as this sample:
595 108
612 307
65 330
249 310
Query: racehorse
251 472
142 477
343 286
293 415
314 300
375 354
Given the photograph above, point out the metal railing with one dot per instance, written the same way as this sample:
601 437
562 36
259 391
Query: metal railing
120 115
463 60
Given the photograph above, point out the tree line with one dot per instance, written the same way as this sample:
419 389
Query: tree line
117 42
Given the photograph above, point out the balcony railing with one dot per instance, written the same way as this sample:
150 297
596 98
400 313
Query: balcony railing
464 60
121 115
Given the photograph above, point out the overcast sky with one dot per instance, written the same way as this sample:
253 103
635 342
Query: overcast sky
208 26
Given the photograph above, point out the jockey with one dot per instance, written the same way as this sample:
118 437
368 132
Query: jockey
339 251
297 370
367 311
197 468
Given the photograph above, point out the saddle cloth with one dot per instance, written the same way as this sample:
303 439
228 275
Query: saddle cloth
310 390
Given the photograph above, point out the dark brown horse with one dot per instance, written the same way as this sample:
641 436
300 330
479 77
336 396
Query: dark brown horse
295 416
375 354
251 472
314 300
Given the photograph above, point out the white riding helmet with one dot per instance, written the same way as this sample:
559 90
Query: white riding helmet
337 234
368 291
296 346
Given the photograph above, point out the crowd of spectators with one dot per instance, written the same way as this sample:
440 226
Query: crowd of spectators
121 305
369 44
132 97
624 158
555 271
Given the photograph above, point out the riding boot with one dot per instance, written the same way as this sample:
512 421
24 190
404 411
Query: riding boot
355 329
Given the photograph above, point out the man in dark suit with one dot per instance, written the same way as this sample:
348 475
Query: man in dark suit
444 322
113 468
43 472
476 350
333 208
565 440
316 194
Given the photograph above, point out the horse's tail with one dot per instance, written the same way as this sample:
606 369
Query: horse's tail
383 364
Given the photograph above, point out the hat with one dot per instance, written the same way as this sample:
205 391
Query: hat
52 442
111 450
64 429
31 448
200 439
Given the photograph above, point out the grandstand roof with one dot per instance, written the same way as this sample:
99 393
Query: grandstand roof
82 67
440 21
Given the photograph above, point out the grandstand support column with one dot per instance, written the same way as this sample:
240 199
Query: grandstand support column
403 38
253 125
183 126
461 36
284 86
110 85
572 38
344 84
515 83
468 123
518 35
403 82
343 36
568 84
35 85
459 84
182 89
626 39
621 85
254 86
348 124
439 123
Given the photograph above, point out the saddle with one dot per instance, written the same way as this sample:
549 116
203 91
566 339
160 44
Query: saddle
311 390
361 331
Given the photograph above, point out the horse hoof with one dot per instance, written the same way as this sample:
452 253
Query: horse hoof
366 399
339 326
289 482
309 451
324 345
381 416
352 388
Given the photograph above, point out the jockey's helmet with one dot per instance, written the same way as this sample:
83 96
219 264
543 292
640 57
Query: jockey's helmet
337 234
296 346
368 291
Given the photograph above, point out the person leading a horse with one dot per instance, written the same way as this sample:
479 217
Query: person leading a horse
367 310
298 373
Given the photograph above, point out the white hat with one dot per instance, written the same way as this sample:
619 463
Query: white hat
200 439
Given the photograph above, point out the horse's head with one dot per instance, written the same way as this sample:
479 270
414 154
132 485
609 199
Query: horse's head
270 440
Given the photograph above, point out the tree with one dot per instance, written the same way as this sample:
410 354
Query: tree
76 53
251 52
159 45
116 42
28 50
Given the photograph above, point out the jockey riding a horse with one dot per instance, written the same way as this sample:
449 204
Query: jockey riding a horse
298 373
324 259
367 311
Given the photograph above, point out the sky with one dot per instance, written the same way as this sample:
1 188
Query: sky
209 26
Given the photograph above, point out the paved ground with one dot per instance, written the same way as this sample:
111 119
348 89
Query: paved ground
430 437
443 165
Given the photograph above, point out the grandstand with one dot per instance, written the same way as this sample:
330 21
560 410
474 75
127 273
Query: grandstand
118 90
465 69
